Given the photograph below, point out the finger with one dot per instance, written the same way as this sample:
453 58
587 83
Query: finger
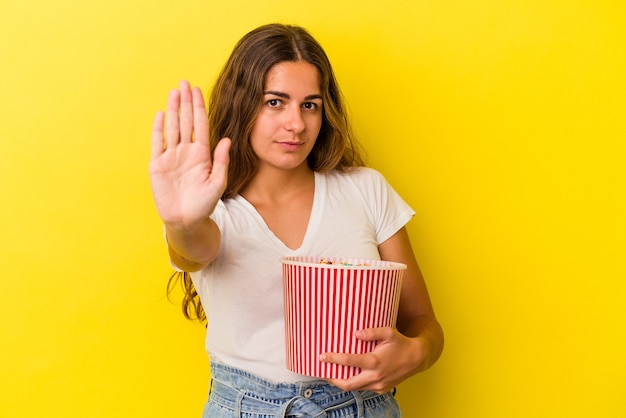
358 382
344 359
172 132
362 381
185 115
158 144
375 334
343 384
200 119
219 171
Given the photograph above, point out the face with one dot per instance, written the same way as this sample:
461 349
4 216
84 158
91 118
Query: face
290 117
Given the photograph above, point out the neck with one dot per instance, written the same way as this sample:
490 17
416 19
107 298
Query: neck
276 185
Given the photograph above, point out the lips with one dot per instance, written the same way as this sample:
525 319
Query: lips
290 145
291 142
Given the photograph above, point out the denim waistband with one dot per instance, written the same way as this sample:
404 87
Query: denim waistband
246 393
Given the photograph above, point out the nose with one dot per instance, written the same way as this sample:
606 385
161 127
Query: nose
294 121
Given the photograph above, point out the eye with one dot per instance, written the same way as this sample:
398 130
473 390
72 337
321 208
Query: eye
275 103
310 106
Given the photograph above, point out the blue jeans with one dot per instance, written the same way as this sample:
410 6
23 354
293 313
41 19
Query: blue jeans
236 393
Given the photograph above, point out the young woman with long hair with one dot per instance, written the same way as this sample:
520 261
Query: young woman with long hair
274 170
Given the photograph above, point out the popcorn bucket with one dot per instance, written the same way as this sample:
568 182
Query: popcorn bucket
327 299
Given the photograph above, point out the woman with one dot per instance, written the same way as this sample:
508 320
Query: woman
274 171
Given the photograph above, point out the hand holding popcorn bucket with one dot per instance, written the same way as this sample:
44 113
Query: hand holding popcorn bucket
327 300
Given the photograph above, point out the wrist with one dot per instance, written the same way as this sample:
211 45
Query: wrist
427 338
183 227
192 246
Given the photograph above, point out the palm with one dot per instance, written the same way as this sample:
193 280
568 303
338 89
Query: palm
186 183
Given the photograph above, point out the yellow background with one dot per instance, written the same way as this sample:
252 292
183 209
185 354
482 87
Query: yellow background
501 122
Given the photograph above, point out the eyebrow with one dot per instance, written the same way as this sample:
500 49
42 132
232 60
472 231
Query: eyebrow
286 96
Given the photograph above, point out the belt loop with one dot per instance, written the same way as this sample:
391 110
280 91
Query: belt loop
282 412
238 402
359 403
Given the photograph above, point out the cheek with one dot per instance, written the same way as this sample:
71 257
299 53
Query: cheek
314 124
260 129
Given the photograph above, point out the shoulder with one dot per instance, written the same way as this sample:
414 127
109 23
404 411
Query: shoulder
358 175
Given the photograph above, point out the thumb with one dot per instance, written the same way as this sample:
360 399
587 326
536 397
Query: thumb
221 157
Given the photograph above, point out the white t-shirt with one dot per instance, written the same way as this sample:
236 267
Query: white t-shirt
241 291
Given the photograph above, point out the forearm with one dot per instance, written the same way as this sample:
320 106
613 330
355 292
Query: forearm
193 247
429 334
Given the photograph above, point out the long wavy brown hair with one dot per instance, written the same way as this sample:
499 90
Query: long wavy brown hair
234 104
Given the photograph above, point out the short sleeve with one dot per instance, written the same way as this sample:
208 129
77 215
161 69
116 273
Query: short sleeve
389 211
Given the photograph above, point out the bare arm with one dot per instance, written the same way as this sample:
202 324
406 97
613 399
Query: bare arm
186 182
416 317
413 347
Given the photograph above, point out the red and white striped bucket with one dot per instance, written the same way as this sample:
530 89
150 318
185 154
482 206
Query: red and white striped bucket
327 299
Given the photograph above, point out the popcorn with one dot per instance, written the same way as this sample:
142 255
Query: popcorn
345 263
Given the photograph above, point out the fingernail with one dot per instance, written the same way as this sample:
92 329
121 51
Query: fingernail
322 357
